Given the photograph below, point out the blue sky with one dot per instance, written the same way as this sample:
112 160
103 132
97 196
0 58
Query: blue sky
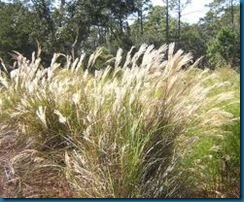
192 12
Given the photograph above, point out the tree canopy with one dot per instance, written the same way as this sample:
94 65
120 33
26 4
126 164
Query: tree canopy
72 27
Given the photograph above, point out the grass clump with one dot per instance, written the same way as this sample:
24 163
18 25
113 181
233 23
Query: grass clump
117 132
214 162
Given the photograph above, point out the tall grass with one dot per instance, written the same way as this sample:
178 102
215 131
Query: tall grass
214 162
118 132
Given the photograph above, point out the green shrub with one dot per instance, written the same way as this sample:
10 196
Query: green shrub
224 49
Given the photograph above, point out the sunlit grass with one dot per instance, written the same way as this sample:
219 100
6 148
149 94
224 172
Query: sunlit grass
124 131
214 163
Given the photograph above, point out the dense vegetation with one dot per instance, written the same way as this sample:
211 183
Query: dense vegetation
139 128
72 27
81 117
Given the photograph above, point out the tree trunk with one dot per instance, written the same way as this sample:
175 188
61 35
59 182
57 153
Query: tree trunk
232 14
138 21
179 21
61 12
141 20
167 21
121 25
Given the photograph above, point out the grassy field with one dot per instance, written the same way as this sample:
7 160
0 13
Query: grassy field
146 125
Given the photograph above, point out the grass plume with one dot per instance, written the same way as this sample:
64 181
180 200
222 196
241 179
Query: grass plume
119 132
